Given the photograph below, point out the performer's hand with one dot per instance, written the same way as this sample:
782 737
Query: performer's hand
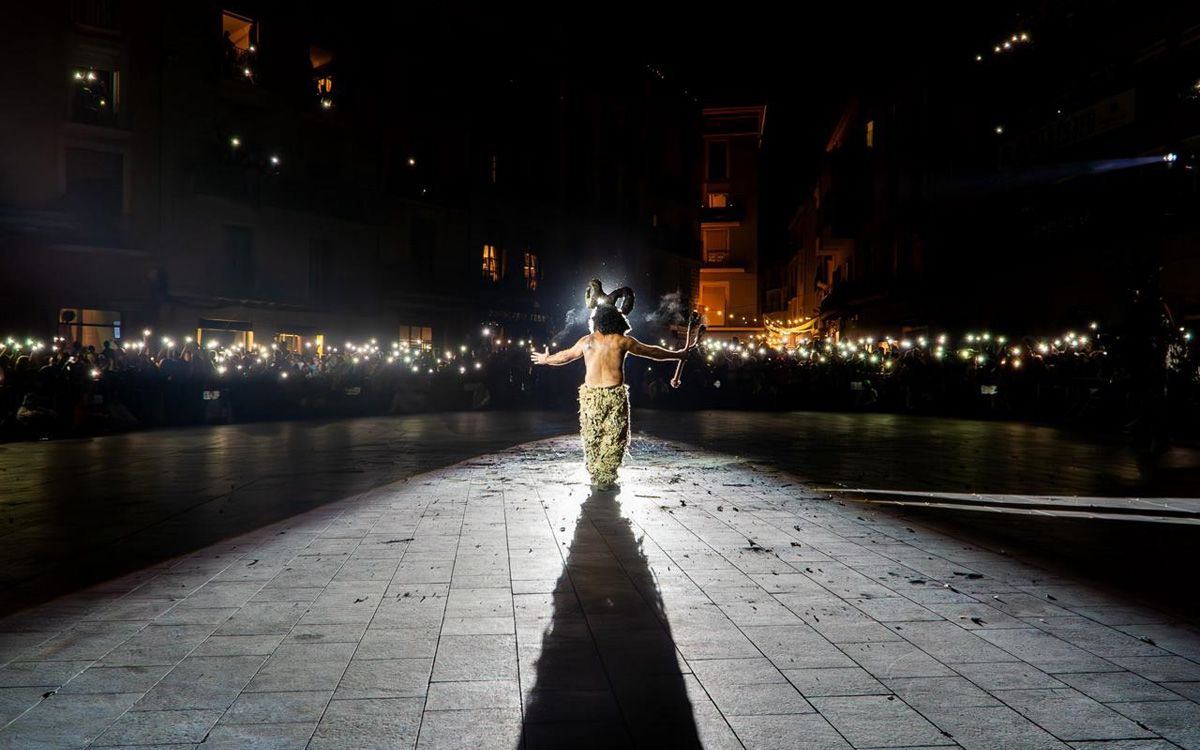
539 358
675 382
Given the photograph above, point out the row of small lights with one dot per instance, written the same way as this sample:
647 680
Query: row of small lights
789 321
867 349
1008 45
1022 38
742 318
977 347
235 142
400 350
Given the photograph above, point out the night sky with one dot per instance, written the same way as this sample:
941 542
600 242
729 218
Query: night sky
804 60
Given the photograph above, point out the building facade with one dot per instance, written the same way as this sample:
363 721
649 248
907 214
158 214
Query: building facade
256 172
728 286
1022 177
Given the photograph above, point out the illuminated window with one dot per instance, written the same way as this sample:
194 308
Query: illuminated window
718 160
89 327
239 37
716 245
225 333
419 337
322 67
298 343
717 200
531 271
94 96
870 134
491 268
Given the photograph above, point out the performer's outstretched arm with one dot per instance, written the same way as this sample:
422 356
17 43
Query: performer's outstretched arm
560 357
649 351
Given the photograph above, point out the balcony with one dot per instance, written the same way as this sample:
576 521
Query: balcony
240 64
719 206
68 227
717 260
239 38
729 214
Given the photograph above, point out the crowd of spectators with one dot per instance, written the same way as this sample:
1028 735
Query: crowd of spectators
63 388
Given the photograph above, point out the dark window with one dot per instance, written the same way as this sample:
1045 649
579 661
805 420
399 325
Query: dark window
322 155
423 239
100 14
95 182
239 257
320 269
718 160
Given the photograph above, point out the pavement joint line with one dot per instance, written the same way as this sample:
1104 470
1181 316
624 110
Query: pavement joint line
917 646
133 635
358 643
128 710
449 587
741 631
512 597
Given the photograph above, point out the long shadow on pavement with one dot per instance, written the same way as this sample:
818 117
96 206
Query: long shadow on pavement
608 675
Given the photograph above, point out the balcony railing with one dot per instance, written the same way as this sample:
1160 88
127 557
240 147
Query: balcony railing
240 64
98 14
725 214
68 226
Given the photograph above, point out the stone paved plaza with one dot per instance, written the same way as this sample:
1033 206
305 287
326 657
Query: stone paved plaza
497 603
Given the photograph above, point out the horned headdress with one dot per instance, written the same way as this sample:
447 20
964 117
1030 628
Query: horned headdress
621 299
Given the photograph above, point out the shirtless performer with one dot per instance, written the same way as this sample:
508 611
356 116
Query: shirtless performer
604 397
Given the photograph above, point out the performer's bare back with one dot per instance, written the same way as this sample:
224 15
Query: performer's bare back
604 397
604 356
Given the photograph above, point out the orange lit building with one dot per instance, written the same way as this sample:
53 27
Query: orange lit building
729 217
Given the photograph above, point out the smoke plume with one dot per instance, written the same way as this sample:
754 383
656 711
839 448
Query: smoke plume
574 317
670 311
